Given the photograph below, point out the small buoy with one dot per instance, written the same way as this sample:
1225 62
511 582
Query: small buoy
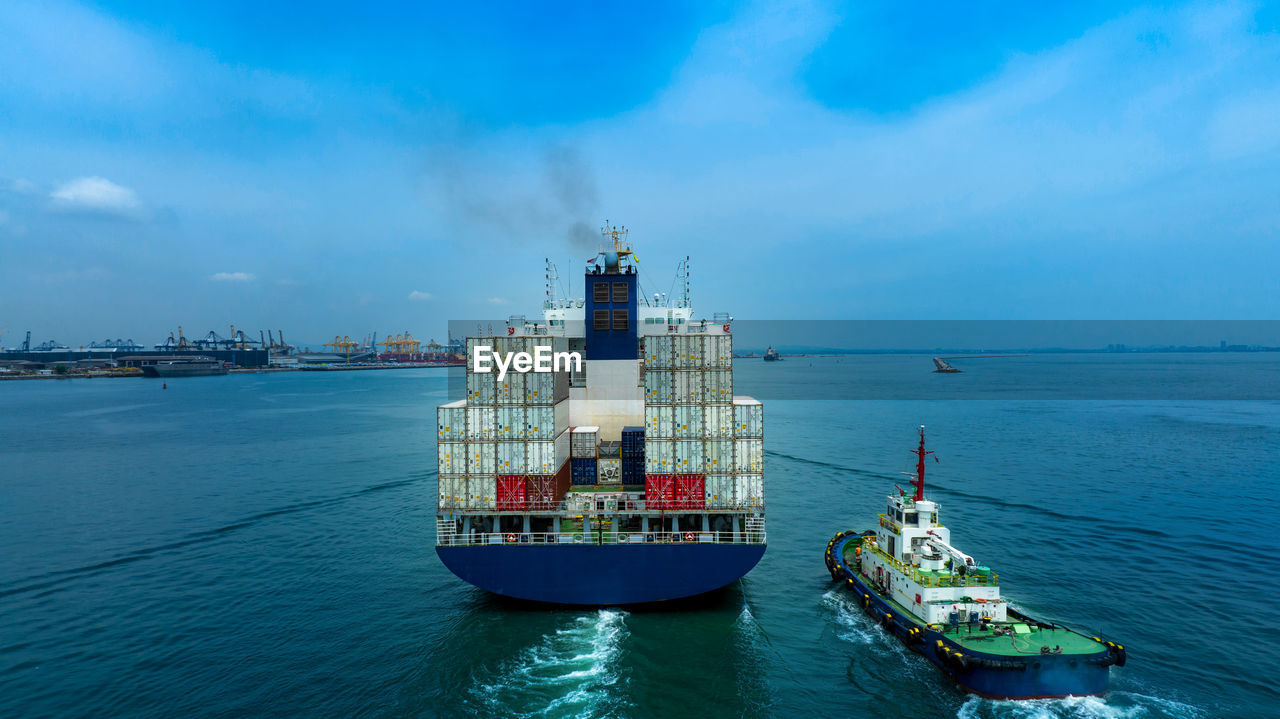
164 386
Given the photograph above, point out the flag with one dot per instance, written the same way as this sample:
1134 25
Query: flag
593 259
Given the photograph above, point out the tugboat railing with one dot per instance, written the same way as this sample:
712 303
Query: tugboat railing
927 580
478 539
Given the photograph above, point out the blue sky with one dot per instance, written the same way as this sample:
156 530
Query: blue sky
332 171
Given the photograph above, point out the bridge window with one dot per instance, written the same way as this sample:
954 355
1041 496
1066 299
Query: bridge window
620 293
600 292
600 320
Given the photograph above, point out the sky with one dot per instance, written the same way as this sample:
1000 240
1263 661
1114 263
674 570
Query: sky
332 170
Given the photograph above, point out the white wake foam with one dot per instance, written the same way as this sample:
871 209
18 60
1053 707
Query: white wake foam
573 672
1115 705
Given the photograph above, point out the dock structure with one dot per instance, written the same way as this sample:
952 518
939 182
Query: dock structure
943 366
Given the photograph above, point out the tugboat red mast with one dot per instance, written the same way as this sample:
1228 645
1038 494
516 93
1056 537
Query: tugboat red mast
920 453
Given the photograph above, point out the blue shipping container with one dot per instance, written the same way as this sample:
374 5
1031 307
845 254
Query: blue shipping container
633 470
582 471
633 442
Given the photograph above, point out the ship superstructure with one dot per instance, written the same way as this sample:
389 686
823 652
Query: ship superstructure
943 604
634 476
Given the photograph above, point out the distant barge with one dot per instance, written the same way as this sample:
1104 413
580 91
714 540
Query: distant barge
180 366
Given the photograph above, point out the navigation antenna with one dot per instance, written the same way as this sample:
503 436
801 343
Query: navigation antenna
920 454
682 276
619 236
552 278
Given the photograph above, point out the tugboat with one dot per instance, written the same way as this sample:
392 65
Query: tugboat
942 604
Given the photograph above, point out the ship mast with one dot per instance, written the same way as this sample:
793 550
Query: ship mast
920 453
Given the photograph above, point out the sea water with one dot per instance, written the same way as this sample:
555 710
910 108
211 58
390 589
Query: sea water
262 544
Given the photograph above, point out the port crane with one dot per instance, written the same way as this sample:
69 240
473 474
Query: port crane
176 343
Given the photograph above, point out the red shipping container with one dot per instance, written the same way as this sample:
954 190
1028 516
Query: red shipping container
659 491
544 492
690 491
512 493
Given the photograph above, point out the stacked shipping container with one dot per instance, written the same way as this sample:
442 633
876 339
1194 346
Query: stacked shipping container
584 447
504 447
700 441
632 452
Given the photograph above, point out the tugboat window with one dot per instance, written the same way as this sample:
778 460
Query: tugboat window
600 320
600 292
911 518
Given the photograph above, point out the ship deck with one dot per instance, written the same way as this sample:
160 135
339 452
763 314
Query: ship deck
1016 638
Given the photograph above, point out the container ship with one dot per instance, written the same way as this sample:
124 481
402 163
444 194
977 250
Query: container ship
635 476
942 604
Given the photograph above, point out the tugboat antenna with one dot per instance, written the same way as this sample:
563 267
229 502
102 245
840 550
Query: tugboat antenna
920 453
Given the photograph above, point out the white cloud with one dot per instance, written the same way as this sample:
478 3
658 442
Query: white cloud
23 187
421 296
498 301
232 277
96 194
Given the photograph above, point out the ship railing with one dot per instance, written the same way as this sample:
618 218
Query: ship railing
931 580
589 536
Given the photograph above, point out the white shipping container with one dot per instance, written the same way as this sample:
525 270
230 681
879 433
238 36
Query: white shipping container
511 389
719 352
748 417
749 490
720 491
719 455
659 455
540 422
481 458
542 456
562 449
717 386
512 458
659 421
451 421
452 491
609 470
688 352
482 492
511 423
584 442
451 457
717 421
540 388
687 386
472 343
689 423
658 351
481 389
748 456
690 458
561 418
482 423
658 388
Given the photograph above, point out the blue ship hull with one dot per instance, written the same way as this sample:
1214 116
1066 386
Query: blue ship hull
1050 676
601 575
